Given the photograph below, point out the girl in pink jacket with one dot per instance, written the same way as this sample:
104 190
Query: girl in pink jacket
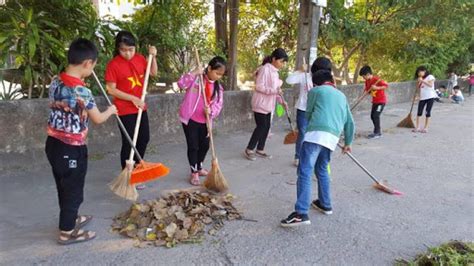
192 112
267 92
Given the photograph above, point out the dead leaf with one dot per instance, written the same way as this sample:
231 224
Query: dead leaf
171 229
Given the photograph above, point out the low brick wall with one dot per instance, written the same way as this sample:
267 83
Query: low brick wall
23 122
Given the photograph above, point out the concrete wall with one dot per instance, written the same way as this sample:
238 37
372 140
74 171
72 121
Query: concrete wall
23 123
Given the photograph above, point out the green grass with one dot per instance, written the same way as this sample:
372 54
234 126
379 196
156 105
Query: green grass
451 253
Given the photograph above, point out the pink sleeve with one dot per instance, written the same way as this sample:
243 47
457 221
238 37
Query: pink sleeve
186 81
261 81
216 106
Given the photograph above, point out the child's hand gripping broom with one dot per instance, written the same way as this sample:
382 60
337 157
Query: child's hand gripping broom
124 184
359 100
407 122
215 180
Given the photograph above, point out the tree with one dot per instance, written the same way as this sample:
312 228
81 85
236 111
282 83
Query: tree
36 36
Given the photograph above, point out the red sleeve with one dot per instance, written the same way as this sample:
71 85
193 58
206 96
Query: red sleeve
366 85
110 73
382 83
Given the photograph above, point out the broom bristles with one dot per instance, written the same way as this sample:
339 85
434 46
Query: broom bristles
121 186
407 122
291 138
145 172
386 189
215 180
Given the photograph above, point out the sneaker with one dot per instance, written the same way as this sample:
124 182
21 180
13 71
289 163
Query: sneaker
374 136
203 172
317 205
250 155
296 162
263 154
295 219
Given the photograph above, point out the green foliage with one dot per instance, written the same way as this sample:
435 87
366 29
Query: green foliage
37 37
451 253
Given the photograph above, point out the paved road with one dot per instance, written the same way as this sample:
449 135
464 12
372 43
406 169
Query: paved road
434 170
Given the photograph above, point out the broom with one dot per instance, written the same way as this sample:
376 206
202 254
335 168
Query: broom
358 101
123 185
407 122
291 137
215 180
378 185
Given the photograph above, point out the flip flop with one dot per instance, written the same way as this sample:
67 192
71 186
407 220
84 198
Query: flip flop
76 237
88 218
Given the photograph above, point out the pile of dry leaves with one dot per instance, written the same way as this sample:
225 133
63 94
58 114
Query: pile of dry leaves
180 217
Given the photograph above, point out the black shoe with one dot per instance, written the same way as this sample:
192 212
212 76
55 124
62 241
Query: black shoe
317 205
374 136
295 219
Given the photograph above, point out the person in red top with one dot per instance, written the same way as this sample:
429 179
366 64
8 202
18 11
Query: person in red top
124 76
376 87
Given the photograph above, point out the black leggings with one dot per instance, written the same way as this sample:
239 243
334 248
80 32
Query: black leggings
142 140
260 134
429 105
69 165
198 144
377 109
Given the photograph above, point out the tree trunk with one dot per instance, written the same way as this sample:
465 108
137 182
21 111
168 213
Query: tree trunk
304 27
232 65
359 65
220 20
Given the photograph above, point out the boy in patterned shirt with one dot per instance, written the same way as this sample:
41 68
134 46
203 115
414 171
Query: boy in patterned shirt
72 104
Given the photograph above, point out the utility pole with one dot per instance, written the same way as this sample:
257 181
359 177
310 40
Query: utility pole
308 28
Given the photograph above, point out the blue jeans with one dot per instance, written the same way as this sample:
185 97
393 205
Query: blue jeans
314 157
301 123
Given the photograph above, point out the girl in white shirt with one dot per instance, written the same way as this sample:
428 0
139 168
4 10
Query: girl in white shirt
427 96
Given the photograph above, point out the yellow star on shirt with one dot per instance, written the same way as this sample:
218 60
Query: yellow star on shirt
135 81
373 93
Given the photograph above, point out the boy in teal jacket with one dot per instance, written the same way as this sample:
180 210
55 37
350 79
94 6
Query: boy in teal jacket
328 114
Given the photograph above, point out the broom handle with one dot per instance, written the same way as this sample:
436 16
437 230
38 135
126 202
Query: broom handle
360 165
414 98
208 120
288 114
122 127
140 110
363 96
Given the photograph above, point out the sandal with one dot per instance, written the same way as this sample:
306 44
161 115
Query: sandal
415 130
82 220
194 180
76 236
424 130
263 154
203 172
250 155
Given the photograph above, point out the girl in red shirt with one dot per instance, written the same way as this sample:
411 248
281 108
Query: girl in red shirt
124 76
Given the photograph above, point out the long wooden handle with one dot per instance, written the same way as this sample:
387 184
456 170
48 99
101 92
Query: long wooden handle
122 127
140 110
414 97
203 92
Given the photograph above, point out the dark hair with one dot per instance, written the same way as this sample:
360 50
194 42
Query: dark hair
278 53
422 68
80 50
321 63
216 63
365 70
442 87
456 87
124 37
322 76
